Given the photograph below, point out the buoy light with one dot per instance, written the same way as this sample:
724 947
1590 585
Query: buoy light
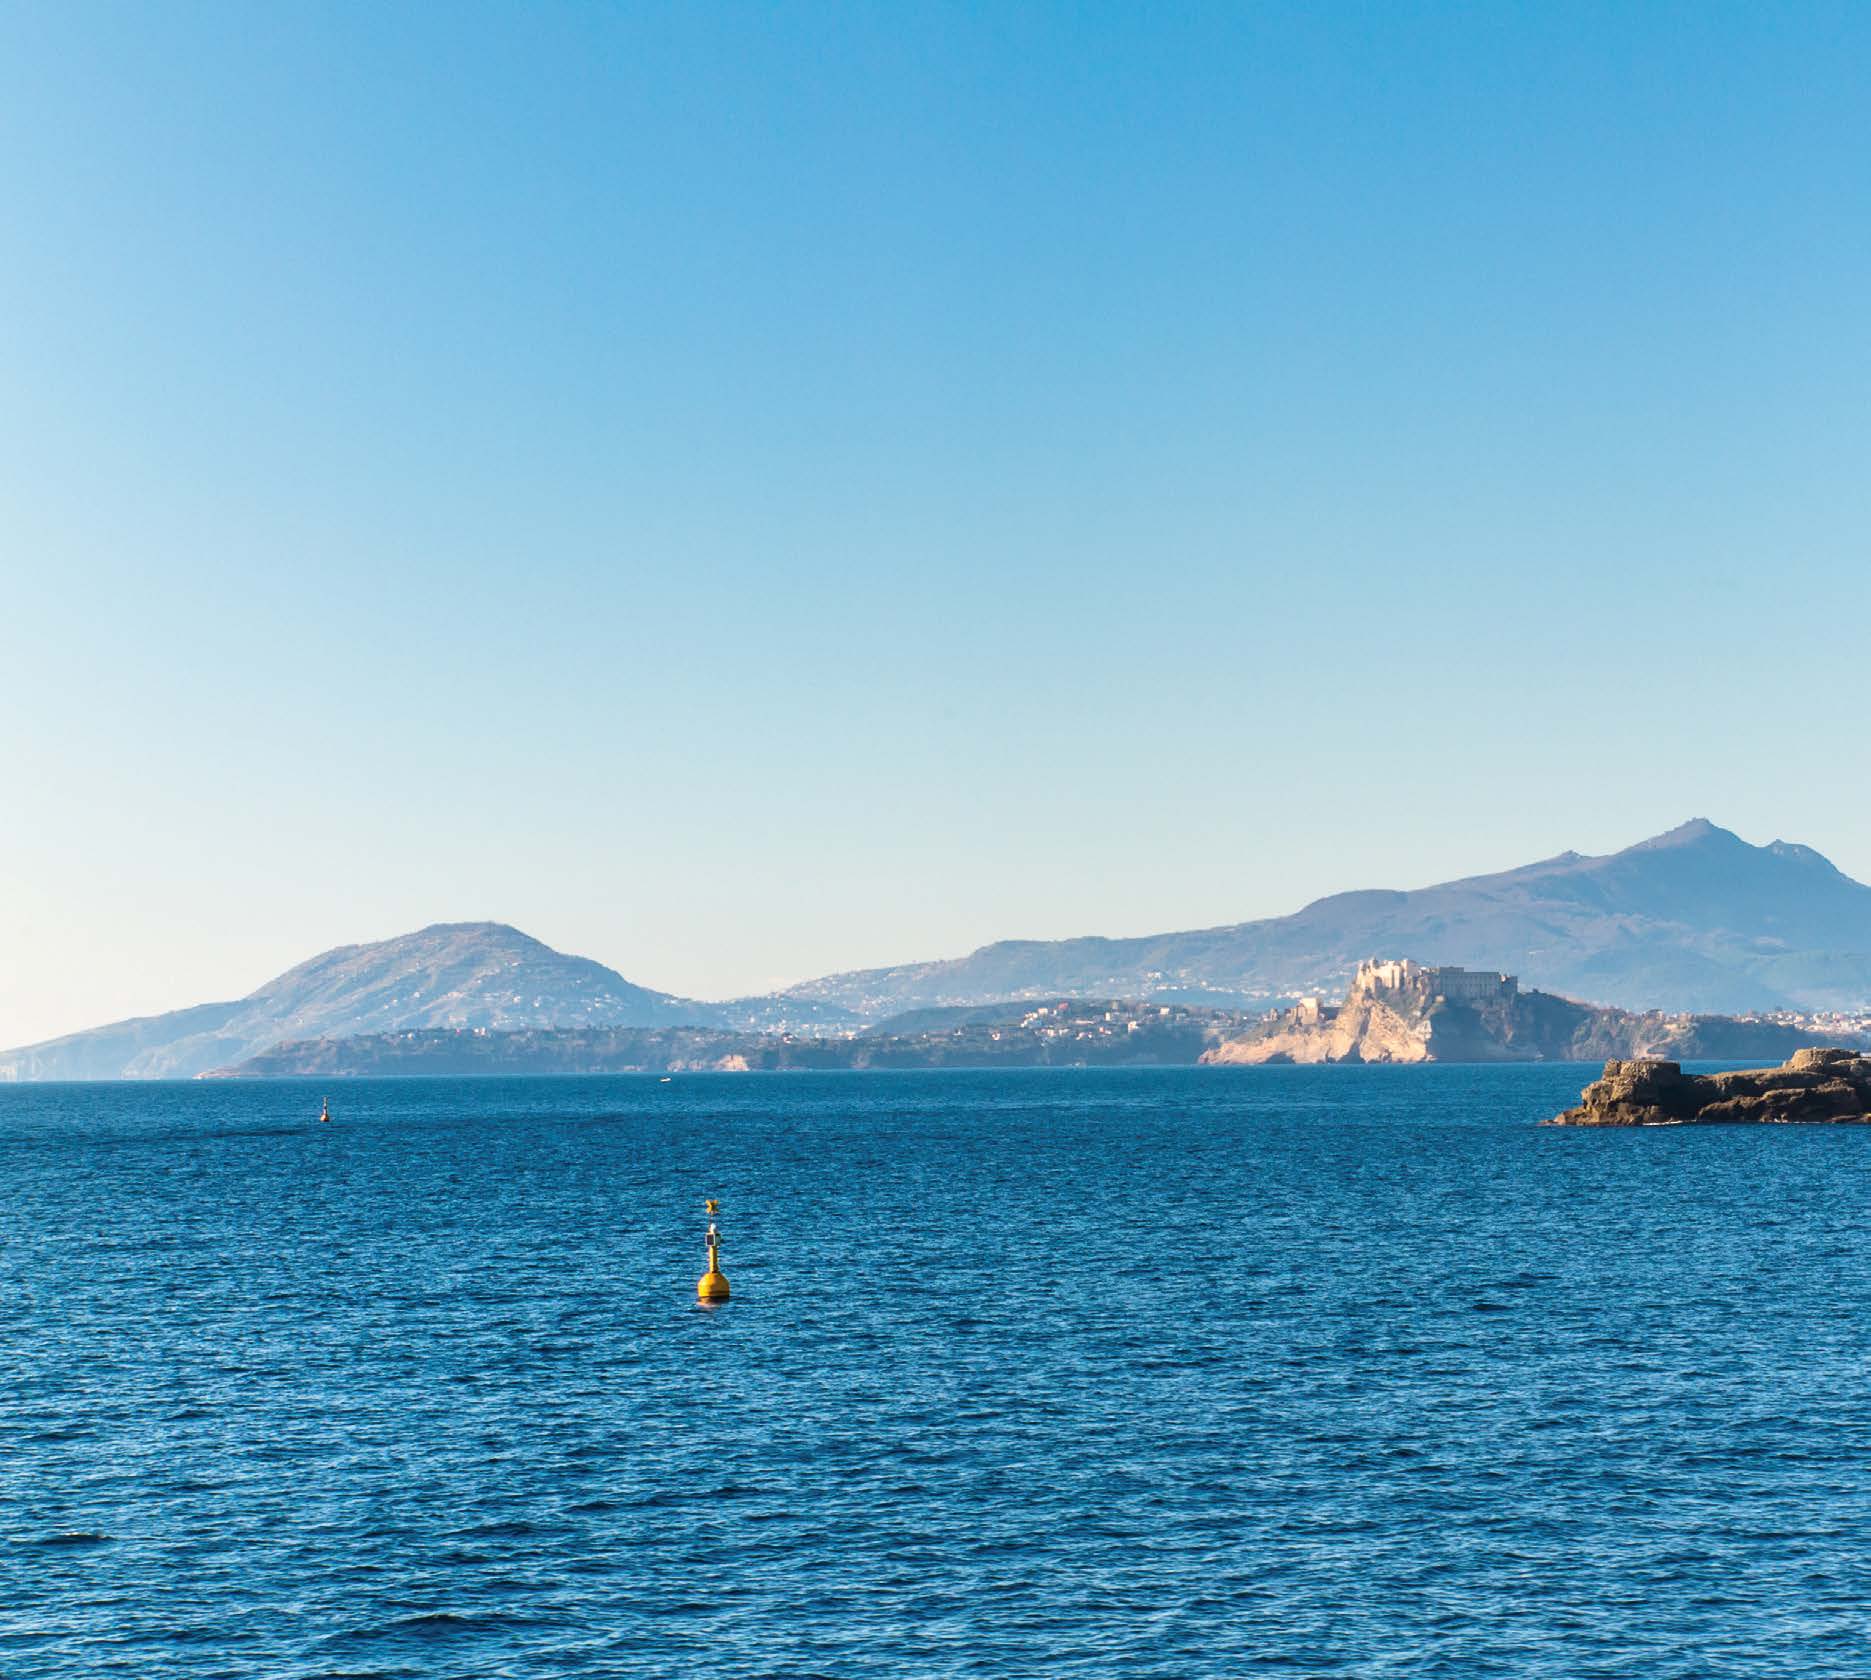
713 1285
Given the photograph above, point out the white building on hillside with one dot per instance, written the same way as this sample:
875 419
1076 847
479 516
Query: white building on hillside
1458 985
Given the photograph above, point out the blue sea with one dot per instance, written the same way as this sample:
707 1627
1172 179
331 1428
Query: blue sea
1173 1373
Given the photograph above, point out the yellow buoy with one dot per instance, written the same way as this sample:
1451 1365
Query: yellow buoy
713 1285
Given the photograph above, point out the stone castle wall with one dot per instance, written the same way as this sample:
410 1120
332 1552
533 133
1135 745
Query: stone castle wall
1458 985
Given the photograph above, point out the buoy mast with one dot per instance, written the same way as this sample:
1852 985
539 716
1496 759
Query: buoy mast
713 1285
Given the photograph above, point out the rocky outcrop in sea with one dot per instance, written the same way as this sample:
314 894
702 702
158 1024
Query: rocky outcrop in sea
1816 1087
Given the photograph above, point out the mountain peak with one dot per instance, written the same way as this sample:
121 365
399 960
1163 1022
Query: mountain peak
449 975
1796 853
1698 831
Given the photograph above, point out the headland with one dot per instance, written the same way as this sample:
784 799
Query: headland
1403 1011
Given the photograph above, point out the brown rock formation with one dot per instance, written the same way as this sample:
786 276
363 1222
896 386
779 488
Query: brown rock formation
1817 1086
1379 1022
1363 1029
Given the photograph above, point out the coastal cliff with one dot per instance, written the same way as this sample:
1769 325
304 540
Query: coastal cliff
1364 1029
1414 1021
1814 1087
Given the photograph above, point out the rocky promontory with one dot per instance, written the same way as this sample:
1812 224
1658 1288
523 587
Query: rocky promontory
1400 1011
1816 1087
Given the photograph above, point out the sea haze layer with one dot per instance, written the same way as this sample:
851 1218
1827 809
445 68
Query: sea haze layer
1321 1371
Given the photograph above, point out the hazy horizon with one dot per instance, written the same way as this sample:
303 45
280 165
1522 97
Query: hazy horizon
745 495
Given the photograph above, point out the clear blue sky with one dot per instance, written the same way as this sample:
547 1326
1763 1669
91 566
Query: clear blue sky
744 491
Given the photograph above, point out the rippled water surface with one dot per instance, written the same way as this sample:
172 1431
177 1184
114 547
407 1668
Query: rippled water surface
1179 1373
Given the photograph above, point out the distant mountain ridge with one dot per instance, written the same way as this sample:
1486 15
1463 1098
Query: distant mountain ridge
454 974
1695 920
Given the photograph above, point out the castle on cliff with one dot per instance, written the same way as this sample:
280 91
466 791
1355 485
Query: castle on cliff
1458 985
1404 981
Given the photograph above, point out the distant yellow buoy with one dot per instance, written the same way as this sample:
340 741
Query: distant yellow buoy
713 1285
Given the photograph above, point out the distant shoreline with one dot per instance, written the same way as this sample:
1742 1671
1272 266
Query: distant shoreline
1205 1069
